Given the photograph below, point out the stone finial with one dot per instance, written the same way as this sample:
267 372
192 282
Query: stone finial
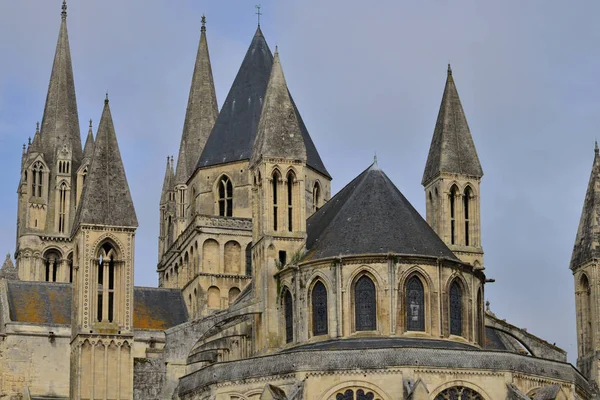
449 70
90 123
203 20
487 306
106 98
258 13
37 127
64 9
596 150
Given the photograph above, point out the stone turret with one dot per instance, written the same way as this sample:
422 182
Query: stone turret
167 210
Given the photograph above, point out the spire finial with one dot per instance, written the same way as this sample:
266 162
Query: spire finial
375 159
64 9
29 141
449 70
37 127
596 150
258 13
23 148
90 123
276 49
106 98
203 20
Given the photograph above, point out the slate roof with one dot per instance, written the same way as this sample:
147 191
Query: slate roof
382 343
495 339
106 199
235 129
49 303
587 241
60 123
452 149
371 216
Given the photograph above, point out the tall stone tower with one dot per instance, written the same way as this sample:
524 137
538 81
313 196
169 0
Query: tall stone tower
451 179
584 265
278 168
48 189
102 312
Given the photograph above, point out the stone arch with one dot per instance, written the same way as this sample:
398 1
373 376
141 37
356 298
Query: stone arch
457 306
233 258
185 269
453 206
234 292
211 257
459 383
291 191
52 258
213 295
287 305
318 296
365 301
415 299
317 195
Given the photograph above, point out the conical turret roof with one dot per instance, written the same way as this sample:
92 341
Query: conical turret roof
587 242
452 149
106 199
88 150
181 172
60 124
279 134
168 182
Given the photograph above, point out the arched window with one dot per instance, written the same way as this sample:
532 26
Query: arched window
319 309
62 207
233 294
249 259
193 202
458 392
51 259
70 266
84 175
466 209
170 231
452 195
275 185
225 197
360 394
37 179
456 309
415 305
181 202
106 283
586 312
214 297
365 307
479 313
316 197
290 200
288 307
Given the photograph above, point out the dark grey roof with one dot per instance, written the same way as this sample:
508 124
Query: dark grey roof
49 303
201 112
452 149
496 339
60 124
106 199
547 392
279 132
381 343
587 241
88 150
371 216
235 129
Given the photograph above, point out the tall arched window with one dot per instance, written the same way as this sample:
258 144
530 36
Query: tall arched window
415 305
586 312
70 266
458 392
466 210
249 259
319 309
290 200
62 207
456 309
288 307
275 183
316 197
106 283
365 306
225 197
453 192
37 179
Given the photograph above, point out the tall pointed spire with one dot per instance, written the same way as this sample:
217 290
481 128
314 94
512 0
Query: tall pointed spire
181 172
88 150
452 149
35 146
106 199
279 133
201 110
60 123
168 181
587 242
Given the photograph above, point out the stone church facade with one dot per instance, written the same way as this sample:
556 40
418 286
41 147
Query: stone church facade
269 287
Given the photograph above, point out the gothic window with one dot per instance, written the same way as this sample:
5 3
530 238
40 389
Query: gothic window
249 259
347 395
275 185
586 309
84 175
106 284
319 309
453 192
456 307
62 207
316 197
466 206
415 305
37 179
365 307
289 316
290 200
51 260
181 202
360 394
225 197
458 393
70 266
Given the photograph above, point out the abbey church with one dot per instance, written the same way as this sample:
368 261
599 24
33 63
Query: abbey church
270 286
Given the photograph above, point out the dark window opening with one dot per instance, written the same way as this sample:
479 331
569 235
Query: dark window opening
282 257
365 307
225 197
466 201
249 259
319 309
452 215
455 309
289 317
415 305
290 188
275 184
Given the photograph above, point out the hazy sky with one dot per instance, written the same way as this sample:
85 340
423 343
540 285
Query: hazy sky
367 78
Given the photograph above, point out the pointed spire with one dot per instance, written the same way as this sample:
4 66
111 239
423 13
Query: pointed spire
279 133
452 149
587 242
60 124
201 113
35 145
106 199
168 181
182 173
88 150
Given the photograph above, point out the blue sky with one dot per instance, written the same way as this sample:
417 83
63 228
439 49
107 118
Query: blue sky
366 78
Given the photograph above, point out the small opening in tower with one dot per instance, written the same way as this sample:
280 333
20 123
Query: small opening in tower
282 257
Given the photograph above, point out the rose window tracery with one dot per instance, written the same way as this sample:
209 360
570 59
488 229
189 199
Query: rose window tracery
458 393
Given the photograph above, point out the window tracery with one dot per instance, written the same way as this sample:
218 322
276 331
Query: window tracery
415 305
365 307
455 309
359 394
225 197
458 393
106 283
319 309
37 179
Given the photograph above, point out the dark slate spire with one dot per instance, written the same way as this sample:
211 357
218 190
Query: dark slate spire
60 124
106 199
452 149
235 128
373 205
88 150
587 242
279 133
168 181
201 110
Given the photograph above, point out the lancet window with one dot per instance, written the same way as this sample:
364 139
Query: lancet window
316 197
365 307
453 192
289 316
37 179
275 183
456 309
415 305
225 197
62 207
319 309
466 211
290 200
106 284
458 393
